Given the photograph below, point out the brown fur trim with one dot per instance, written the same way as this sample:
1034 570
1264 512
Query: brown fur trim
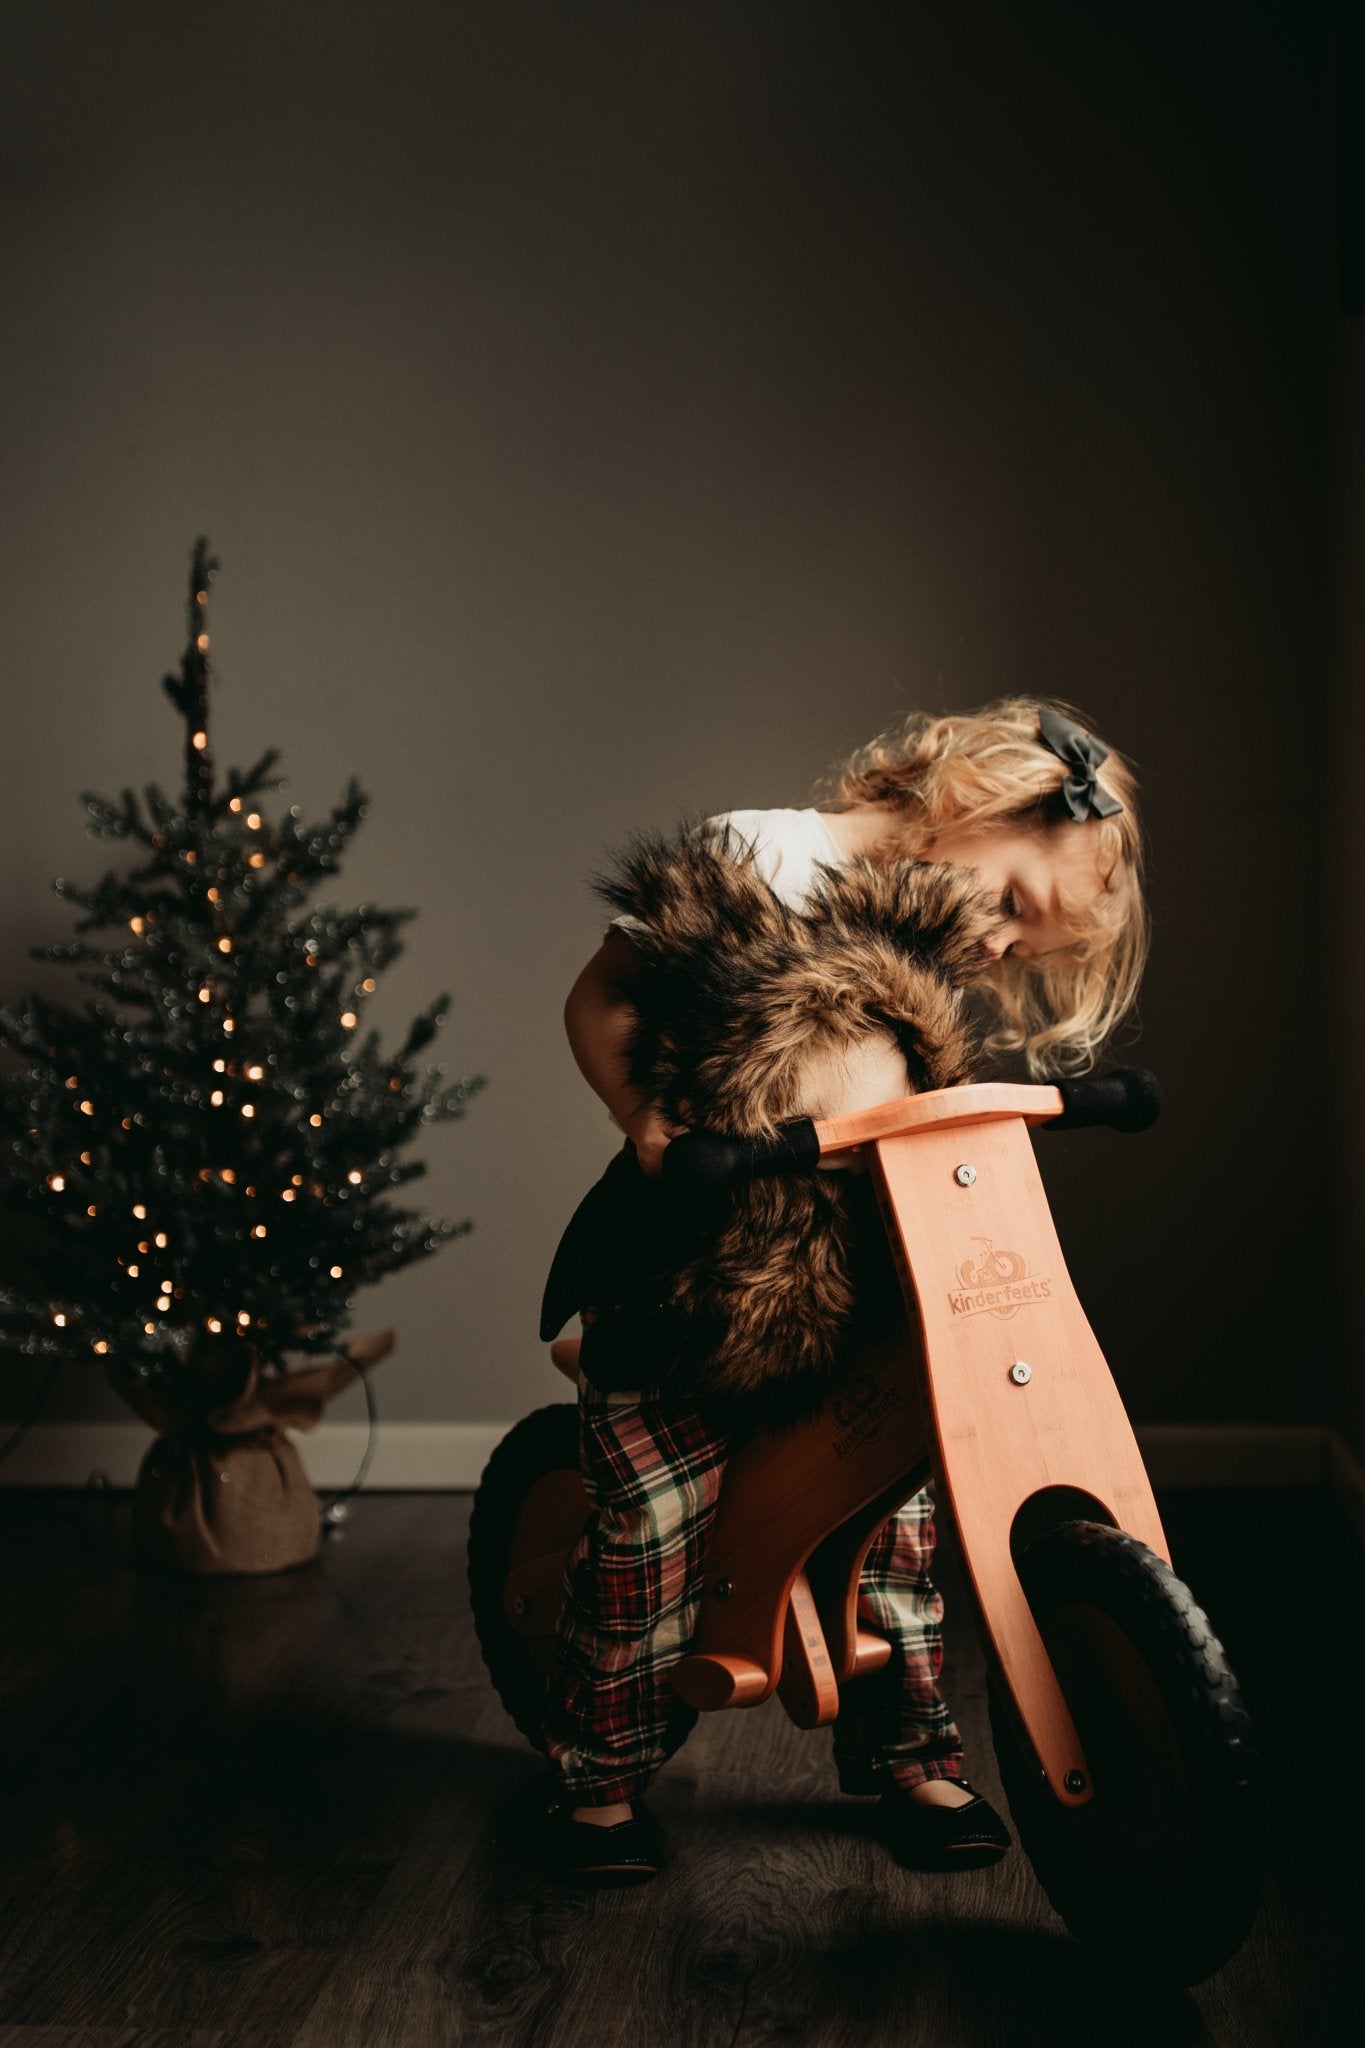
736 994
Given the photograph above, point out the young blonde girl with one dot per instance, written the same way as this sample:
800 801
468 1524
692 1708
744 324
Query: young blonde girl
1041 816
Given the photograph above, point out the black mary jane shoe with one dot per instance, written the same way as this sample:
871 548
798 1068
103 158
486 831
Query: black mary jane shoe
577 1852
942 1837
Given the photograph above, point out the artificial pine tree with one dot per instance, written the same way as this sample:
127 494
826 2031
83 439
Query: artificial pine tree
208 1145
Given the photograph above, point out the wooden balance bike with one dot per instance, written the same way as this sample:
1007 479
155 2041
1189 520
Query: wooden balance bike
1124 1748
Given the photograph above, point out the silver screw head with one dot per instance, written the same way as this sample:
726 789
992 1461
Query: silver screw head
1020 1373
964 1176
1074 1781
520 1604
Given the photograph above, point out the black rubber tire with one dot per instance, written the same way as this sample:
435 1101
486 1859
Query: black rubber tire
1163 1868
544 1443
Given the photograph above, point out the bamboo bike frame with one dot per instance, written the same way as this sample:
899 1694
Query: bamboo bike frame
1001 1393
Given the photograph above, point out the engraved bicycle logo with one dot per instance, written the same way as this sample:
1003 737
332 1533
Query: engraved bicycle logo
860 1408
996 1282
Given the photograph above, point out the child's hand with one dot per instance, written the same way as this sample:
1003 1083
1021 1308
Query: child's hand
651 1134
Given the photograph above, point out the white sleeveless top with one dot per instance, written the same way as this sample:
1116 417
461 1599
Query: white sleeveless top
789 847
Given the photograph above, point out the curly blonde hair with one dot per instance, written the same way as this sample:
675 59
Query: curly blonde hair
990 768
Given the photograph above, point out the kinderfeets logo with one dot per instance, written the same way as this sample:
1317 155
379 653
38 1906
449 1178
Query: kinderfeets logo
997 1283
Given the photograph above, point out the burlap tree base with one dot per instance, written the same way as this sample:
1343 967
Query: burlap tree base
222 1490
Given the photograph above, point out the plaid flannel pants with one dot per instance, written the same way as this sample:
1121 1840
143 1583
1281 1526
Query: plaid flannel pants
633 1586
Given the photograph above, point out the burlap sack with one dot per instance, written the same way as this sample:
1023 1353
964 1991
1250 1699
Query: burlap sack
222 1490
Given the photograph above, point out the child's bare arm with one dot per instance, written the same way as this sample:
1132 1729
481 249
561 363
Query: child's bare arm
599 1016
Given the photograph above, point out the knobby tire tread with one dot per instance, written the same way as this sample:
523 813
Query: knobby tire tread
1190 1930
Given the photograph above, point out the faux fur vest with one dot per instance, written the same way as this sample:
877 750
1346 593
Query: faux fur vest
745 1009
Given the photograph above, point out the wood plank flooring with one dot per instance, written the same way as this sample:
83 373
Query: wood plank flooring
271 1814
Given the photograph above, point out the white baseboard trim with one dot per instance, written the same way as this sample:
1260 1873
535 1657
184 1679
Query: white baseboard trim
409 1457
448 1457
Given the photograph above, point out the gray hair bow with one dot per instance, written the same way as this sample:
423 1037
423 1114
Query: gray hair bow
1082 752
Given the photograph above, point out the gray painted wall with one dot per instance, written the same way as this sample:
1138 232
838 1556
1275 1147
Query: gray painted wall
605 413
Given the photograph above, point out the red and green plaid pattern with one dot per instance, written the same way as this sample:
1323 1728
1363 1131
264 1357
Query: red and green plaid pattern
633 1584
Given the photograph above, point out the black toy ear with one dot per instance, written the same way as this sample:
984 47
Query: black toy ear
927 909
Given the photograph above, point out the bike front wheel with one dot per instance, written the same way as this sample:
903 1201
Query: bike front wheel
1163 1866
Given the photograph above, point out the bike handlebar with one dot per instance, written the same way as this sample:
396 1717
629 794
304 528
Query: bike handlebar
706 1162
1128 1099
702 1162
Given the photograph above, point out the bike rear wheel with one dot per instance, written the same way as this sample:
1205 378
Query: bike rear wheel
1163 1867
528 1513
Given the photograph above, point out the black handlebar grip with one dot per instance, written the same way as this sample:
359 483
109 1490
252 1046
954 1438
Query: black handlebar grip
704 1162
1128 1099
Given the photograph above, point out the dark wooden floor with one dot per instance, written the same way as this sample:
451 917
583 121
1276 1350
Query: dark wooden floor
267 1815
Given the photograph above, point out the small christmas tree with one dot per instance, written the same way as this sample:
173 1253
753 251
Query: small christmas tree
207 1148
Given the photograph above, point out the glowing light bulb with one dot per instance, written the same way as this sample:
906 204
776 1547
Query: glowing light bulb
212 895
288 1195
161 1239
229 1026
73 1080
200 740
258 1230
214 1324
133 1272
150 1328
163 1302
242 1316
206 995
201 597
348 1020
255 1073
137 924
368 985
92 1210
101 1346
316 1121
257 861
220 1066
217 1098
138 1209
88 1108
224 945
336 1272
60 1320
354 1178
253 819
248 1109
87 1158
230 1176
144 1245
56 1181
235 804
202 643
